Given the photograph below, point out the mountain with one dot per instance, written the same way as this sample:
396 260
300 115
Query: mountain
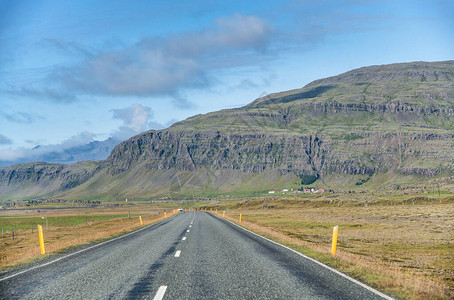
42 180
95 150
378 127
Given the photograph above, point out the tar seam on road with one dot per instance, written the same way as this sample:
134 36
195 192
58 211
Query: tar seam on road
315 261
80 251
161 291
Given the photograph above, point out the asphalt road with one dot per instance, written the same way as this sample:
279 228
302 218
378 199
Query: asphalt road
194 255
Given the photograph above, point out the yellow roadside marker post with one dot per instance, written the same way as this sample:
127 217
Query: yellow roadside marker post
41 239
140 218
241 217
216 211
165 215
121 220
334 244
223 213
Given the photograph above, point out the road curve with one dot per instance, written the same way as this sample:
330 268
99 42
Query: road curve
194 255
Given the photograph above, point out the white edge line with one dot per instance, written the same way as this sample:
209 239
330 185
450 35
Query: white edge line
317 262
161 291
80 251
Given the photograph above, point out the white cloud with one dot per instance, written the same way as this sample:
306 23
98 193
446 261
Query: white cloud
28 154
136 118
77 140
11 155
166 65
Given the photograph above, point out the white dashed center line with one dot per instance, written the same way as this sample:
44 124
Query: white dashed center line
184 238
161 291
187 230
177 254
190 226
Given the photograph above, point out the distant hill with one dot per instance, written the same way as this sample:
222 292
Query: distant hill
95 150
378 127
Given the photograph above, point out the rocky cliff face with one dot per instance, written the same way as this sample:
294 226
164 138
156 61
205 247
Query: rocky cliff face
317 155
395 119
189 151
41 179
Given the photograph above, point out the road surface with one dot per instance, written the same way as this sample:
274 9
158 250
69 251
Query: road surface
193 255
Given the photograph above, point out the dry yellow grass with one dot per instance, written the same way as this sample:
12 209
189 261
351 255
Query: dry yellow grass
407 250
25 246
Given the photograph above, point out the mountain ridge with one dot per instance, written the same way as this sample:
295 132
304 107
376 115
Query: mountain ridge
94 150
380 124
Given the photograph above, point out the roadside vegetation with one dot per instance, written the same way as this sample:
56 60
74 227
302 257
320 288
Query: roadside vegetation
66 228
403 246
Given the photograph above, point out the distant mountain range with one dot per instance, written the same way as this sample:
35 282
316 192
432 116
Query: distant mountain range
378 127
96 150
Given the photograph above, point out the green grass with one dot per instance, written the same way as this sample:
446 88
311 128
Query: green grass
25 223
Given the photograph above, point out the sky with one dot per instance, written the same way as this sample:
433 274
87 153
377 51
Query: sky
74 72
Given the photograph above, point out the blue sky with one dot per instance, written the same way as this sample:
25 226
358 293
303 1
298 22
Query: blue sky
72 72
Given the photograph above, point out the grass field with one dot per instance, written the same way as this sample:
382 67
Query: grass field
66 228
405 248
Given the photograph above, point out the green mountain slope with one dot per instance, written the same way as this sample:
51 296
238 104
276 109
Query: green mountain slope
377 127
